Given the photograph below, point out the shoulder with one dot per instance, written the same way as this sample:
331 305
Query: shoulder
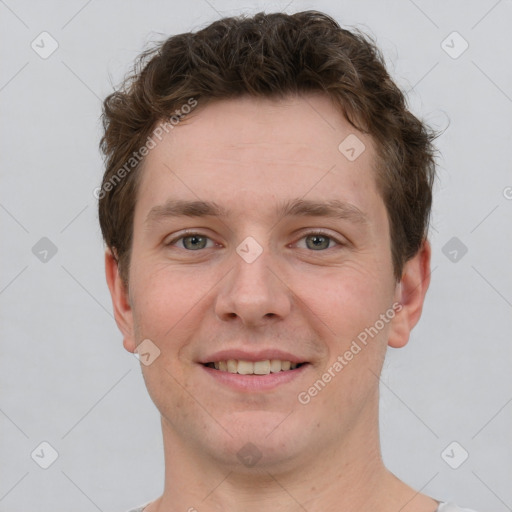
451 507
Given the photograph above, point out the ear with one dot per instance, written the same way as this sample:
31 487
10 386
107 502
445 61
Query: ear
120 301
410 293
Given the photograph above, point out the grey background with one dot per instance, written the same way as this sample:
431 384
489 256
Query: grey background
64 375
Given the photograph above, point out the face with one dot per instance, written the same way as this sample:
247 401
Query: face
281 266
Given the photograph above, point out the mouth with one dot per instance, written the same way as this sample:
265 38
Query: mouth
243 367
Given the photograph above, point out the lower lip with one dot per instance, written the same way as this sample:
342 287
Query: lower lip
255 383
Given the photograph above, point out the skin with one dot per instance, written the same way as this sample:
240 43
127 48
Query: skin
249 155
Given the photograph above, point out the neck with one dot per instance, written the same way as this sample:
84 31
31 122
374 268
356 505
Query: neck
349 476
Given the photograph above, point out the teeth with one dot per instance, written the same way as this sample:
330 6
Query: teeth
262 367
245 367
275 365
257 368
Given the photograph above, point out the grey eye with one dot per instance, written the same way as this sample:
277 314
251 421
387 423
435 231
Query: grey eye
317 241
194 242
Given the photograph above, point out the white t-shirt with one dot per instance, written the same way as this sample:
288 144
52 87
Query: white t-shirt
443 507
451 507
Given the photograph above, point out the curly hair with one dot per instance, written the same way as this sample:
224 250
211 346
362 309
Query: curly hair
269 55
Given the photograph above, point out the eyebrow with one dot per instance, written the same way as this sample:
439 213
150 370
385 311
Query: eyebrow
292 208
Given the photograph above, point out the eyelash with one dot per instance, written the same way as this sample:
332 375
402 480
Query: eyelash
188 234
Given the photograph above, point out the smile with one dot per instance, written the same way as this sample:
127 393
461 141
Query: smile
253 368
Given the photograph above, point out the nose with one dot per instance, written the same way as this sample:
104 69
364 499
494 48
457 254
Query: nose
253 293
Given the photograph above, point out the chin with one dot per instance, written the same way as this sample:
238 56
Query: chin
262 440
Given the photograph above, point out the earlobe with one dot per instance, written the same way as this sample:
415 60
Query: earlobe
410 293
120 301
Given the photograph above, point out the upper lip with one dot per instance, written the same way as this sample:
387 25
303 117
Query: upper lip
253 356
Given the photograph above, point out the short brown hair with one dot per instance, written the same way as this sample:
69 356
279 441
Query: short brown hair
270 55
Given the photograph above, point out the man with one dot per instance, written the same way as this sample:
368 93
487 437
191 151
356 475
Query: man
265 208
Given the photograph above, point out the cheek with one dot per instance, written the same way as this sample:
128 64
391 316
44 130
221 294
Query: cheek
350 301
349 298
163 299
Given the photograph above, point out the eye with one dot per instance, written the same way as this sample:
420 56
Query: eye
318 241
191 241
314 240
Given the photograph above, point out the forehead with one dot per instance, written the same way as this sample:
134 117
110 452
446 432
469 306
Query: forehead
256 151
311 125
